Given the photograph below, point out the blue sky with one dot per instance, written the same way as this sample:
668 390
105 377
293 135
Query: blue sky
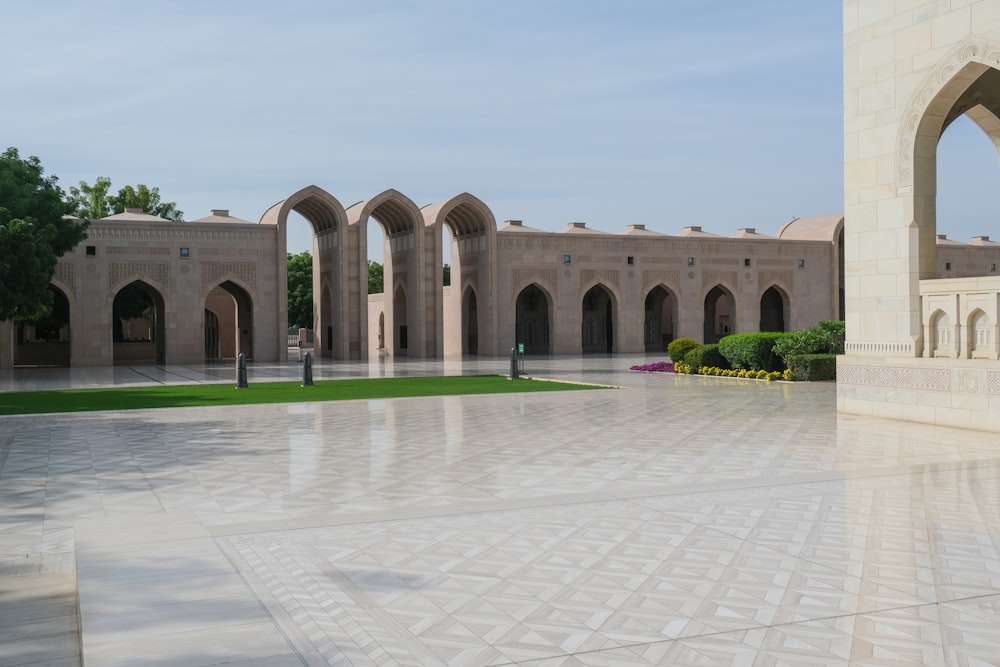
725 114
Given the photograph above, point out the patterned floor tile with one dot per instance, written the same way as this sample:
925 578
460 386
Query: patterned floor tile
681 520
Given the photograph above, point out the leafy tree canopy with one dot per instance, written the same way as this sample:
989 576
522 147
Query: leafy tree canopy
95 201
376 277
300 300
33 235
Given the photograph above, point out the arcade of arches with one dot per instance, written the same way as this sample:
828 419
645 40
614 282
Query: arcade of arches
141 291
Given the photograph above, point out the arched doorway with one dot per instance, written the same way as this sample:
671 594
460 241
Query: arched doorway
597 321
470 323
405 265
465 229
231 309
401 340
138 325
326 328
45 342
772 310
332 267
660 314
213 346
719 308
531 320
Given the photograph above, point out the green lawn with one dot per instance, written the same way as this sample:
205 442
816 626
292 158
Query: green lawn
176 396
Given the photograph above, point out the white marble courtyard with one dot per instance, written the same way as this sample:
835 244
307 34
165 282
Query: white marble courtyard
674 521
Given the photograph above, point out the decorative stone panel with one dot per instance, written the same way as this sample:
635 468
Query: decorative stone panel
974 48
137 251
782 279
66 273
920 379
993 383
651 278
245 271
524 277
118 271
606 276
710 278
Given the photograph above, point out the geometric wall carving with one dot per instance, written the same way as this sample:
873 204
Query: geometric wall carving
245 271
66 273
719 277
993 383
607 277
117 271
658 277
781 278
526 276
927 379
974 48
126 250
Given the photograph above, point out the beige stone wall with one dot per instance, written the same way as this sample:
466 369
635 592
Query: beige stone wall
689 267
903 62
118 252
910 67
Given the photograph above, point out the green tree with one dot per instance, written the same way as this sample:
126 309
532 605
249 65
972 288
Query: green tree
146 198
300 287
376 277
33 235
90 201
446 274
93 201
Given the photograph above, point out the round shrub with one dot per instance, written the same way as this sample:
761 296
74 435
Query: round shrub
679 347
825 337
813 367
705 355
753 351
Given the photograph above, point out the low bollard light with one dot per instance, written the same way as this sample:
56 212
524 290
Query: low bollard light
513 364
307 370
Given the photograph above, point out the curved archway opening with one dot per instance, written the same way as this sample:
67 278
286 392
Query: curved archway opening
401 341
972 92
470 323
720 307
531 320
598 321
465 223
982 343
409 326
660 315
45 342
138 325
231 310
772 310
213 339
968 172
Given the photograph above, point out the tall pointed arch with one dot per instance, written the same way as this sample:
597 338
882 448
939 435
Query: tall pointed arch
405 263
329 223
473 229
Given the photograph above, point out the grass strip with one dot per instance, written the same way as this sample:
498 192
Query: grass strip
177 396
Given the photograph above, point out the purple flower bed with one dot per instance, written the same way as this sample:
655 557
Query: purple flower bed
658 367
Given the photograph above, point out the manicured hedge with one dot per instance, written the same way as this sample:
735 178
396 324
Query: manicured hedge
825 337
813 367
705 355
680 347
753 351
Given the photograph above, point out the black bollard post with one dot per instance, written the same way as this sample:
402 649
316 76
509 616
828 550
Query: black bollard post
513 364
307 370
241 372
